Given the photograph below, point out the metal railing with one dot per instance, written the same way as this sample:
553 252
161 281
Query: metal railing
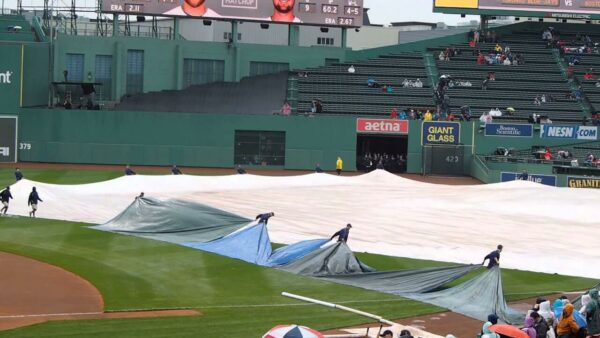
91 29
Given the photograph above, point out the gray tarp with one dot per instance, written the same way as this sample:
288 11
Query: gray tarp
405 281
335 259
476 298
174 221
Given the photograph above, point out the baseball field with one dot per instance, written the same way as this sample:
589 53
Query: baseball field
232 298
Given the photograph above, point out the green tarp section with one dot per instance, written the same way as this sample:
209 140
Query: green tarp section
335 259
405 281
174 221
476 298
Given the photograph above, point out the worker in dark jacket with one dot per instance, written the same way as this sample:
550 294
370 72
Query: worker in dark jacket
129 171
493 257
18 174
343 233
175 170
264 218
5 196
33 200
540 325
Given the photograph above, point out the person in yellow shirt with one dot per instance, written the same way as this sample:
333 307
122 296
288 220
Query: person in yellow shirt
427 116
339 165
498 48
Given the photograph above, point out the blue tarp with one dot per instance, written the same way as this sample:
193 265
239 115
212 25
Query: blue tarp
292 252
250 244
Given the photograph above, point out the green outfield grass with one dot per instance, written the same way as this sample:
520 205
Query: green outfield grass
238 300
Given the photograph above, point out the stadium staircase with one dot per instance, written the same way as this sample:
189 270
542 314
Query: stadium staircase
431 67
515 86
26 34
342 92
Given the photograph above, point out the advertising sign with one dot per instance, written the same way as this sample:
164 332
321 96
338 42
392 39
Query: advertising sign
509 130
542 179
568 132
381 126
348 13
583 182
582 9
8 139
440 133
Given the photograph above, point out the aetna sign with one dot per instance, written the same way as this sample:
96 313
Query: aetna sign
5 77
381 126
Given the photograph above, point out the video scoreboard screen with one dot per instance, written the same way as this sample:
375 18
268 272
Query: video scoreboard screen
549 7
348 13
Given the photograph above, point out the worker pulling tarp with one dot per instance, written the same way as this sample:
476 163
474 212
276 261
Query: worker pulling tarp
404 281
476 298
174 221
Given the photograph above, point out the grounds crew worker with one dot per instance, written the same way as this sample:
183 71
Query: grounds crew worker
33 200
343 234
5 195
339 165
264 218
493 257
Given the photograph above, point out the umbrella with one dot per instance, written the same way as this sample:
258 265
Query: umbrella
509 331
292 331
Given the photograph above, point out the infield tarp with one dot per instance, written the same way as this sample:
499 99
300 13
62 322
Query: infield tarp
174 221
335 259
404 281
476 298
292 252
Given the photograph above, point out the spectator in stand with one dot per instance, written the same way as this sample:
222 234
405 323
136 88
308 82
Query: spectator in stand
506 62
590 158
529 327
537 101
567 327
129 171
428 116
481 59
390 89
394 113
442 56
319 106
486 118
403 115
465 113
286 109
498 48
372 83
548 154
592 311
540 325
450 117
589 75
492 76
313 107
570 71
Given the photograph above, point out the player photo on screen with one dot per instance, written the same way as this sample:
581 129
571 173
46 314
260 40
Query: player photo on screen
347 13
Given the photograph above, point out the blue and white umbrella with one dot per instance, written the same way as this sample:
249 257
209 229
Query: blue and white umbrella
292 331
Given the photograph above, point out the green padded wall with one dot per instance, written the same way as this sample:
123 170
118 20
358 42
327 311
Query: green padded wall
187 139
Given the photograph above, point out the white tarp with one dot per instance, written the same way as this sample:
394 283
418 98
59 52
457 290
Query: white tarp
542 228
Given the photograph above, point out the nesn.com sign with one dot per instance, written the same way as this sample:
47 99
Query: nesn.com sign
573 132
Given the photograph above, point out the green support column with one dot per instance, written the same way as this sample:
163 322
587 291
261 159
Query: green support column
293 35
115 25
344 37
232 47
119 60
179 67
175 29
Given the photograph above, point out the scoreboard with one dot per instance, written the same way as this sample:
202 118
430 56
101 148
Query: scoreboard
546 8
345 13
